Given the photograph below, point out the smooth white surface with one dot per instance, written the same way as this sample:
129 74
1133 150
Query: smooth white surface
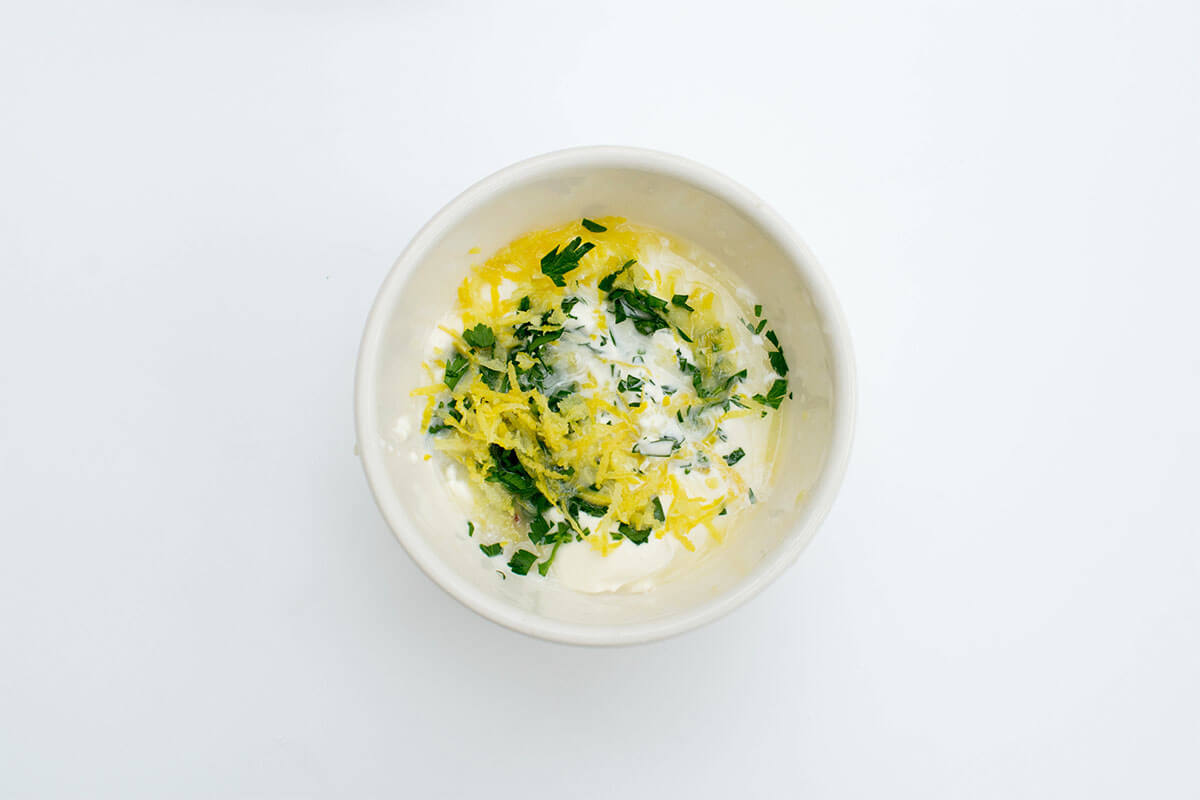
703 208
198 597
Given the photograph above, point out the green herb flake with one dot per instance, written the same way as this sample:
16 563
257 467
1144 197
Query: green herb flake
481 336
508 471
606 283
762 323
774 395
633 534
470 528
681 301
496 380
758 310
455 369
735 456
594 227
521 561
491 550
544 567
659 514
578 504
773 339
642 308
753 499
524 304
556 264
778 362
538 530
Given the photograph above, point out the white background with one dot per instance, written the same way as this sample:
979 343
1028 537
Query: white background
198 597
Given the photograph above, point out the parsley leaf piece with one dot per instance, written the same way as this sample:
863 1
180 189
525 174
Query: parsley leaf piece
538 530
470 528
491 550
658 511
762 323
778 362
758 310
496 380
524 304
659 448
594 227
508 471
633 534
544 567
734 378
570 302
481 336
774 395
681 301
606 283
521 561
555 399
773 339
630 383
556 264
577 504
455 369
735 456
643 308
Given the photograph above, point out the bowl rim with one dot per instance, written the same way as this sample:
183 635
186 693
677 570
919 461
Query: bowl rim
801 530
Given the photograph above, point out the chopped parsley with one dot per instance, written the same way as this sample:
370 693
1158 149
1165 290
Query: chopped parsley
481 336
577 504
544 566
470 528
774 395
508 471
538 530
681 301
630 383
735 456
455 369
521 561
658 511
556 264
643 308
491 550
778 362
606 283
594 227
632 534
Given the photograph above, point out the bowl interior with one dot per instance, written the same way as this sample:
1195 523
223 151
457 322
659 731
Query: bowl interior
421 288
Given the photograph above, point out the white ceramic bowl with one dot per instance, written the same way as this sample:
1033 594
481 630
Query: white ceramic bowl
685 199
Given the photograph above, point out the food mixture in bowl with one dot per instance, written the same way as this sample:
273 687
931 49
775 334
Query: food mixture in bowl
603 402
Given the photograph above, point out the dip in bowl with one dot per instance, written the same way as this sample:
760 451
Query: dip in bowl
400 386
